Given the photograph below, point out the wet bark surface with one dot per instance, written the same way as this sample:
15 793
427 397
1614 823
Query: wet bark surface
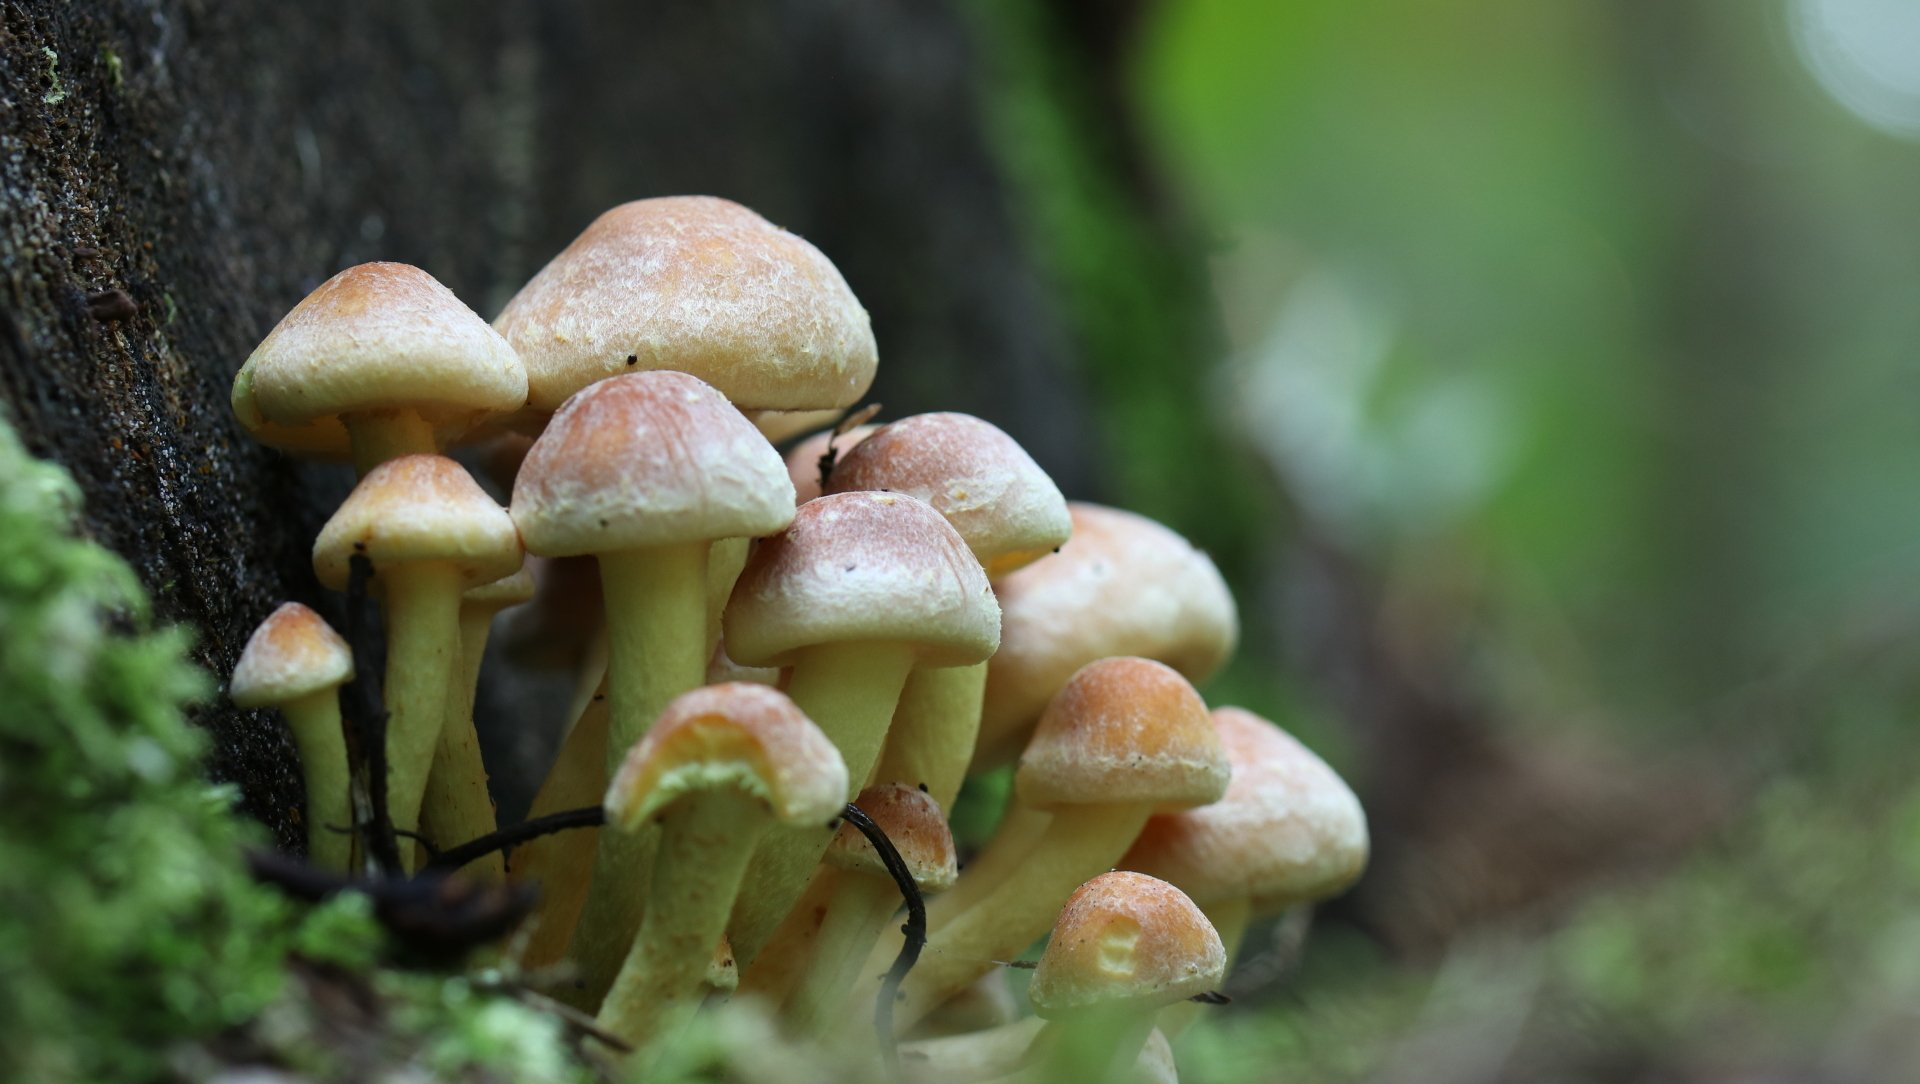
175 174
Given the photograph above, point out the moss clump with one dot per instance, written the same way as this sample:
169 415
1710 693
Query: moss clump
126 920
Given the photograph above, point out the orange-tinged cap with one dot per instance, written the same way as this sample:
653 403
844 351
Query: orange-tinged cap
418 508
1124 730
1126 939
378 336
701 285
988 487
644 460
913 823
294 653
748 737
863 567
1288 831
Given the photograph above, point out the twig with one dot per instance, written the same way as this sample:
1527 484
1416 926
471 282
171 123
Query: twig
514 835
915 928
367 709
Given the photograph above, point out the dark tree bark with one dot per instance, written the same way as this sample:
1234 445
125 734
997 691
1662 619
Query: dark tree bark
175 174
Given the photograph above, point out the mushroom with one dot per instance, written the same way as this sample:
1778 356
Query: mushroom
379 361
1289 831
430 533
457 807
700 285
1010 514
294 662
722 765
1125 945
559 864
1123 585
644 471
860 588
1124 739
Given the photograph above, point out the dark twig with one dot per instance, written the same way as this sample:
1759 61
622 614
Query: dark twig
846 425
367 709
915 928
514 835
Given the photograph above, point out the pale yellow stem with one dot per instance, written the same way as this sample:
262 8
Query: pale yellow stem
458 807
559 863
931 740
380 435
423 642
315 722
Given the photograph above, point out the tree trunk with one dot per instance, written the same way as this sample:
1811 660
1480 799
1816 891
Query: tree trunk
175 174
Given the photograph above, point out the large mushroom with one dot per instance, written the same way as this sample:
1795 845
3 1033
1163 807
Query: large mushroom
379 361
644 471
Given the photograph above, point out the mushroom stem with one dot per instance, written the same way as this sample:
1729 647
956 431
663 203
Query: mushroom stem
559 863
458 807
1100 1045
423 633
850 690
1080 841
975 1056
705 845
1020 828
380 435
315 722
931 741
859 908
724 561
656 650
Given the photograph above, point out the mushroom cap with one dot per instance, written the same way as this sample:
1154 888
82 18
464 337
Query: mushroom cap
418 508
294 653
988 487
803 461
1289 829
780 426
917 827
648 459
1122 585
863 567
1126 939
378 336
1124 730
748 737
701 285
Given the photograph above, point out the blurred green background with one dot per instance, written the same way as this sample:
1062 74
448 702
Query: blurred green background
1578 343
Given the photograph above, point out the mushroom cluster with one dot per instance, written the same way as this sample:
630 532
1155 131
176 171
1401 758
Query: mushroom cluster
759 640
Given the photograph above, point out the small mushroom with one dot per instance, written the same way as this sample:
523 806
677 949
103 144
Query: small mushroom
1125 946
722 766
431 533
294 662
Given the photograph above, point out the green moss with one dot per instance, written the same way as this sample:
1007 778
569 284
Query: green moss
56 90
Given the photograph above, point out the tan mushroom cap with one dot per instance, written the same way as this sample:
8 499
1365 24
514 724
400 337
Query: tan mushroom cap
1124 730
648 459
803 462
418 508
1122 585
749 736
916 826
294 653
379 336
701 285
1289 829
1126 939
987 486
863 567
